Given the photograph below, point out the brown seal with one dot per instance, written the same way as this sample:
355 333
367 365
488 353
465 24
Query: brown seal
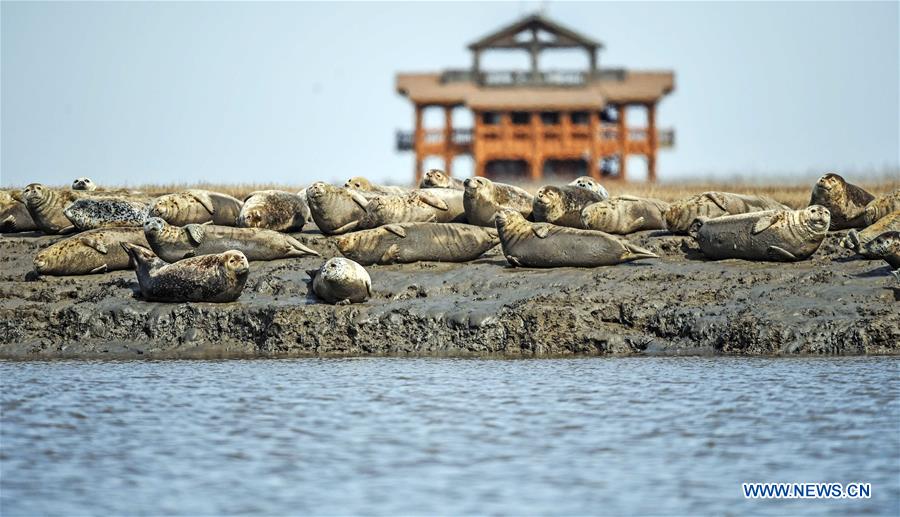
363 185
341 281
857 240
681 214
882 206
776 235
483 199
274 210
208 278
562 205
846 202
46 205
196 206
414 242
14 216
173 243
548 245
625 214
94 251
335 210
436 178
429 205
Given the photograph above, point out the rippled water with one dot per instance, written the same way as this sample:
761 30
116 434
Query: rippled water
445 436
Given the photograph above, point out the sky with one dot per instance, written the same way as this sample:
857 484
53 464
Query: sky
135 93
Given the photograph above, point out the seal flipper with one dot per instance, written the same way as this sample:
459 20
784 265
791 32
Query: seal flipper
96 244
204 199
766 222
432 200
896 274
851 241
298 249
67 230
540 231
634 252
391 255
635 225
195 233
717 198
359 199
396 229
781 254
100 269
346 228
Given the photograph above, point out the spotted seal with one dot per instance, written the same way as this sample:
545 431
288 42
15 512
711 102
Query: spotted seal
483 199
363 185
882 206
773 235
84 183
589 183
14 216
562 205
886 247
196 206
429 205
208 278
173 243
106 212
625 214
436 178
681 214
274 210
341 281
94 251
846 202
857 240
530 244
335 210
414 242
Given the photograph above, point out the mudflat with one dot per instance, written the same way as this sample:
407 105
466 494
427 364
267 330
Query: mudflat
681 303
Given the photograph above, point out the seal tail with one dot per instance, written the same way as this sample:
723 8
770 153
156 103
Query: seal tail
139 255
696 224
299 250
633 252
851 241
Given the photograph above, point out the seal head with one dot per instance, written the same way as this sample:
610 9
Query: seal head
84 183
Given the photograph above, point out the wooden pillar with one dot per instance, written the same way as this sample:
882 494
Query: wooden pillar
593 152
652 138
592 56
476 65
477 142
534 54
623 141
418 144
448 140
537 156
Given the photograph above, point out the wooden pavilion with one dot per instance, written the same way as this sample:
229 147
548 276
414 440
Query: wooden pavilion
532 122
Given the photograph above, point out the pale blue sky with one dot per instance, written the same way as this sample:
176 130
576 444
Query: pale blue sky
293 92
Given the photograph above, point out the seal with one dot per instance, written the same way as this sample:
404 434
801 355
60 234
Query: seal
562 205
84 183
363 185
857 241
209 278
773 235
483 199
106 212
94 251
414 242
46 205
341 281
528 244
274 210
589 183
882 206
196 206
335 210
173 243
681 214
436 178
887 247
14 216
625 214
846 202
430 205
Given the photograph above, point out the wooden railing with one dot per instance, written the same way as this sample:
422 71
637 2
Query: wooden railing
508 78
665 138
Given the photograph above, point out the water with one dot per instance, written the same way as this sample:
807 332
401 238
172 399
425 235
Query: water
444 436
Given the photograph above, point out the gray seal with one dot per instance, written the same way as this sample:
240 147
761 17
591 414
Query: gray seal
173 243
197 206
274 210
562 205
94 251
483 199
846 202
341 281
335 210
430 205
527 244
46 205
107 212
857 240
887 247
625 214
14 216
363 185
208 278
436 178
84 183
414 242
681 214
882 206
774 235
589 183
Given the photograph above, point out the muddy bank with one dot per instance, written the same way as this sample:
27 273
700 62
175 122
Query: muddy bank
679 304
